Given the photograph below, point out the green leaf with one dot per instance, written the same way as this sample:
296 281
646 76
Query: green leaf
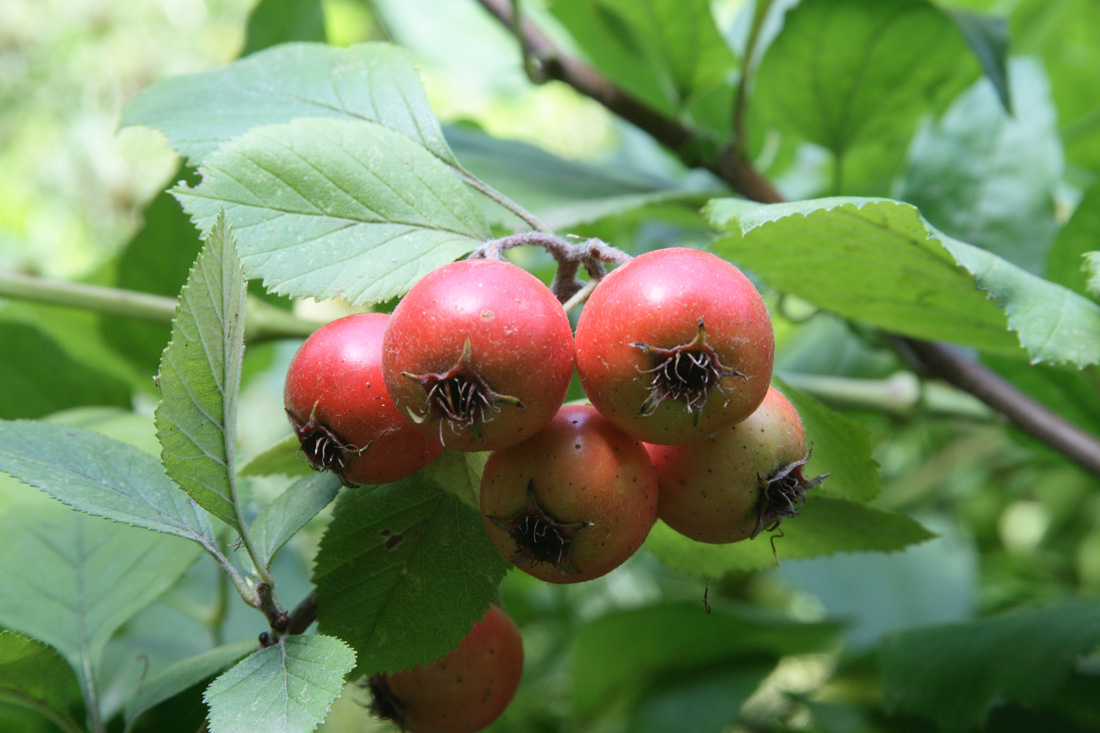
988 178
155 260
825 526
184 675
278 21
1092 268
841 448
98 475
282 459
848 71
567 193
403 572
955 674
620 652
371 81
200 374
282 518
1068 261
459 473
714 696
665 52
324 208
989 40
29 392
285 688
35 676
877 261
72 580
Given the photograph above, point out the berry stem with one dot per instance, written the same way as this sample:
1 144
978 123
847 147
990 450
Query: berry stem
570 256
504 202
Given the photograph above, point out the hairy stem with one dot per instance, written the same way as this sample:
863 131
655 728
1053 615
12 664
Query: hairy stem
265 322
733 167
503 201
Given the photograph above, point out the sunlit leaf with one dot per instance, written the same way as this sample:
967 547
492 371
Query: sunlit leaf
824 526
285 688
371 81
878 261
324 208
200 375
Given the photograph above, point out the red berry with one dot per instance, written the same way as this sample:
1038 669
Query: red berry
464 691
478 355
675 345
745 479
573 502
337 402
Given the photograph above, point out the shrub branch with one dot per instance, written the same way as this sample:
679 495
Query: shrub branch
733 166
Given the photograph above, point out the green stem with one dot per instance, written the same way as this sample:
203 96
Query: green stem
901 394
740 100
265 322
500 199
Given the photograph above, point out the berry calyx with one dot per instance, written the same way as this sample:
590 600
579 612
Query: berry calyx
338 406
675 345
539 537
478 355
685 373
460 397
743 480
572 502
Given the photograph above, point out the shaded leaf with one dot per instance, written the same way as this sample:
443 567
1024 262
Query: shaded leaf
848 71
665 52
282 518
567 193
101 476
620 652
403 572
825 526
989 40
841 448
1092 269
877 261
714 696
183 675
988 178
156 260
955 674
200 374
324 208
282 459
1068 261
72 580
28 392
277 21
370 81
35 676
285 688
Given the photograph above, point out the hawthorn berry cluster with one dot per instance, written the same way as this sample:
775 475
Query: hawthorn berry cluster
674 350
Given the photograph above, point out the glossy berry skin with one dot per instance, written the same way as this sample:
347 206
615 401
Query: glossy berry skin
464 691
478 355
741 481
337 402
675 345
573 502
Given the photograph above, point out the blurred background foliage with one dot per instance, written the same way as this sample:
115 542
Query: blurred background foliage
1015 523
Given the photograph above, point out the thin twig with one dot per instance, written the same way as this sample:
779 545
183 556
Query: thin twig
740 99
503 201
937 360
264 322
